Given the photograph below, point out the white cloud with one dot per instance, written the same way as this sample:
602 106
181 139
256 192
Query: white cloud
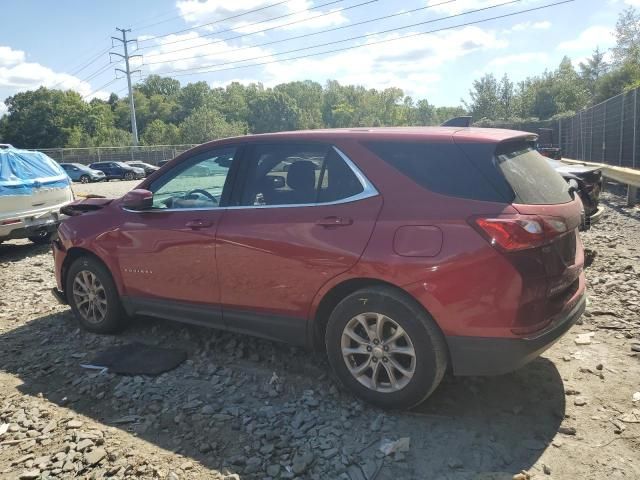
519 27
17 74
207 11
459 6
208 52
589 39
407 62
529 57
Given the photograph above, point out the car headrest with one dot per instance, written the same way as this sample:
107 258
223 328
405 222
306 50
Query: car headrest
301 175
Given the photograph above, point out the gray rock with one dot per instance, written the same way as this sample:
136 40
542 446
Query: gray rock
94 456
301 462
30 474
84 444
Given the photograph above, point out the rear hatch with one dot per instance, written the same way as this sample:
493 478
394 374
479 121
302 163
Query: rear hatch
542 240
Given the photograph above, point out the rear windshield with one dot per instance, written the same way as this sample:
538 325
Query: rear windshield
532 179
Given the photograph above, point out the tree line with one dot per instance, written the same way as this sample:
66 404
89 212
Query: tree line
170 113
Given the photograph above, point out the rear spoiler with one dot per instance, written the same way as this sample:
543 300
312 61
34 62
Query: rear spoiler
463 121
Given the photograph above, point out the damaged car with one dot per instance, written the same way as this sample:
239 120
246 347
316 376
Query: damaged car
402 253
33 188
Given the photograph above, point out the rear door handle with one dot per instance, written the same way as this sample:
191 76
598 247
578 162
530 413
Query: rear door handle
196 224
334 222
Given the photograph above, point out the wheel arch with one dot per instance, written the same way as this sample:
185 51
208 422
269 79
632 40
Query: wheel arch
335 294
74 253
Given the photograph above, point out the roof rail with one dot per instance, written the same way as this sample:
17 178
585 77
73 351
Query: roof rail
5 145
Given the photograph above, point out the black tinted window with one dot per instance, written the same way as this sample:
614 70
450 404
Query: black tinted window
297 174
439 167
533 180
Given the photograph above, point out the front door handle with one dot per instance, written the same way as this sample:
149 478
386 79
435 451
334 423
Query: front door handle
196 224
335 222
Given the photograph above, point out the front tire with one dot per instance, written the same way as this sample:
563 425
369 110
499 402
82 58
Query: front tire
129 176
93 296
85 179
385 348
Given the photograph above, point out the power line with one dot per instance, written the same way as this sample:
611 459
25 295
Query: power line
89 62
100 88
146 25
263 21
101 70
358 37
218 21
178 73
351 25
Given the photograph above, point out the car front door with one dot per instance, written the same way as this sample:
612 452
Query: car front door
167 253
302 214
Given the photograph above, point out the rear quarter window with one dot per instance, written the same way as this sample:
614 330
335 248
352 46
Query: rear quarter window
441 168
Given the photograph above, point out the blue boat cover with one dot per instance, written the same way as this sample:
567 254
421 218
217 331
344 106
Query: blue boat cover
23 171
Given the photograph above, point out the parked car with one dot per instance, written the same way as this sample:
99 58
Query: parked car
118 170
81 173
162 163
148 169
410 252
587 182
33 188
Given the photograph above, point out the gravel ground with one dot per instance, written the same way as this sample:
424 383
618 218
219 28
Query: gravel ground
243 408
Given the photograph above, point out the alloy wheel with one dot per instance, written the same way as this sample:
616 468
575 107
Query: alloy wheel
84 179
378 352
90 297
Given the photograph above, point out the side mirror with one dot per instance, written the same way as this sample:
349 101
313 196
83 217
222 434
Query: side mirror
138 199
277 181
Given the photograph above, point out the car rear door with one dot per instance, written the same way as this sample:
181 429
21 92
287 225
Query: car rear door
167 253
302 214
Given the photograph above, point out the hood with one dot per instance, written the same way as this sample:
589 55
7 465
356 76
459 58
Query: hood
89 204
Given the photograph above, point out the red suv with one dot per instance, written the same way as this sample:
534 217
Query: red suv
402 252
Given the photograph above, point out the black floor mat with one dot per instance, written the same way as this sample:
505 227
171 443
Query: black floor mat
139 359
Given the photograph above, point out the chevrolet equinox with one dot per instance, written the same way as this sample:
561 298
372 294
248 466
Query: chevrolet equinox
402 252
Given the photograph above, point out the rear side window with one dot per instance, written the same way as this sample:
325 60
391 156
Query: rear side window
439 167
533 180
297 174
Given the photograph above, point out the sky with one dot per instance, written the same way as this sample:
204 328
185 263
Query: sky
432 49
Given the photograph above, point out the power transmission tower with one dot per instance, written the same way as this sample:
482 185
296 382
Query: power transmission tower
127 71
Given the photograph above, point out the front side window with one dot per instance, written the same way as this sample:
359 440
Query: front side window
297 174
196 183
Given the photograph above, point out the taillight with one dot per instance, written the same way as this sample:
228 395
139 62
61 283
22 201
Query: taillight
519 232
10 222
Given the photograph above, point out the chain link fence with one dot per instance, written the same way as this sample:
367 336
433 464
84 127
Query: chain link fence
149 154
606 133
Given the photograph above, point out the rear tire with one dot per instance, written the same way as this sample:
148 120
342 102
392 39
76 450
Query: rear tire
398 361
129 176
85 179
41 239
93 296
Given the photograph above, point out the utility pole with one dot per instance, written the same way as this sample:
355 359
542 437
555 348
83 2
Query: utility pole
127 71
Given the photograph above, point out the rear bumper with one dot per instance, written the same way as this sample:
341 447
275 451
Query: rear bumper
19 229
495 356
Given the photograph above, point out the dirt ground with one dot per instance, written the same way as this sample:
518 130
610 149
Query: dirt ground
243 408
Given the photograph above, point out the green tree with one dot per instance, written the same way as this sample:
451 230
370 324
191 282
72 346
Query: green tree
206 124
43 118
484 98
161 133
593 69
273 111
627 34
157 85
